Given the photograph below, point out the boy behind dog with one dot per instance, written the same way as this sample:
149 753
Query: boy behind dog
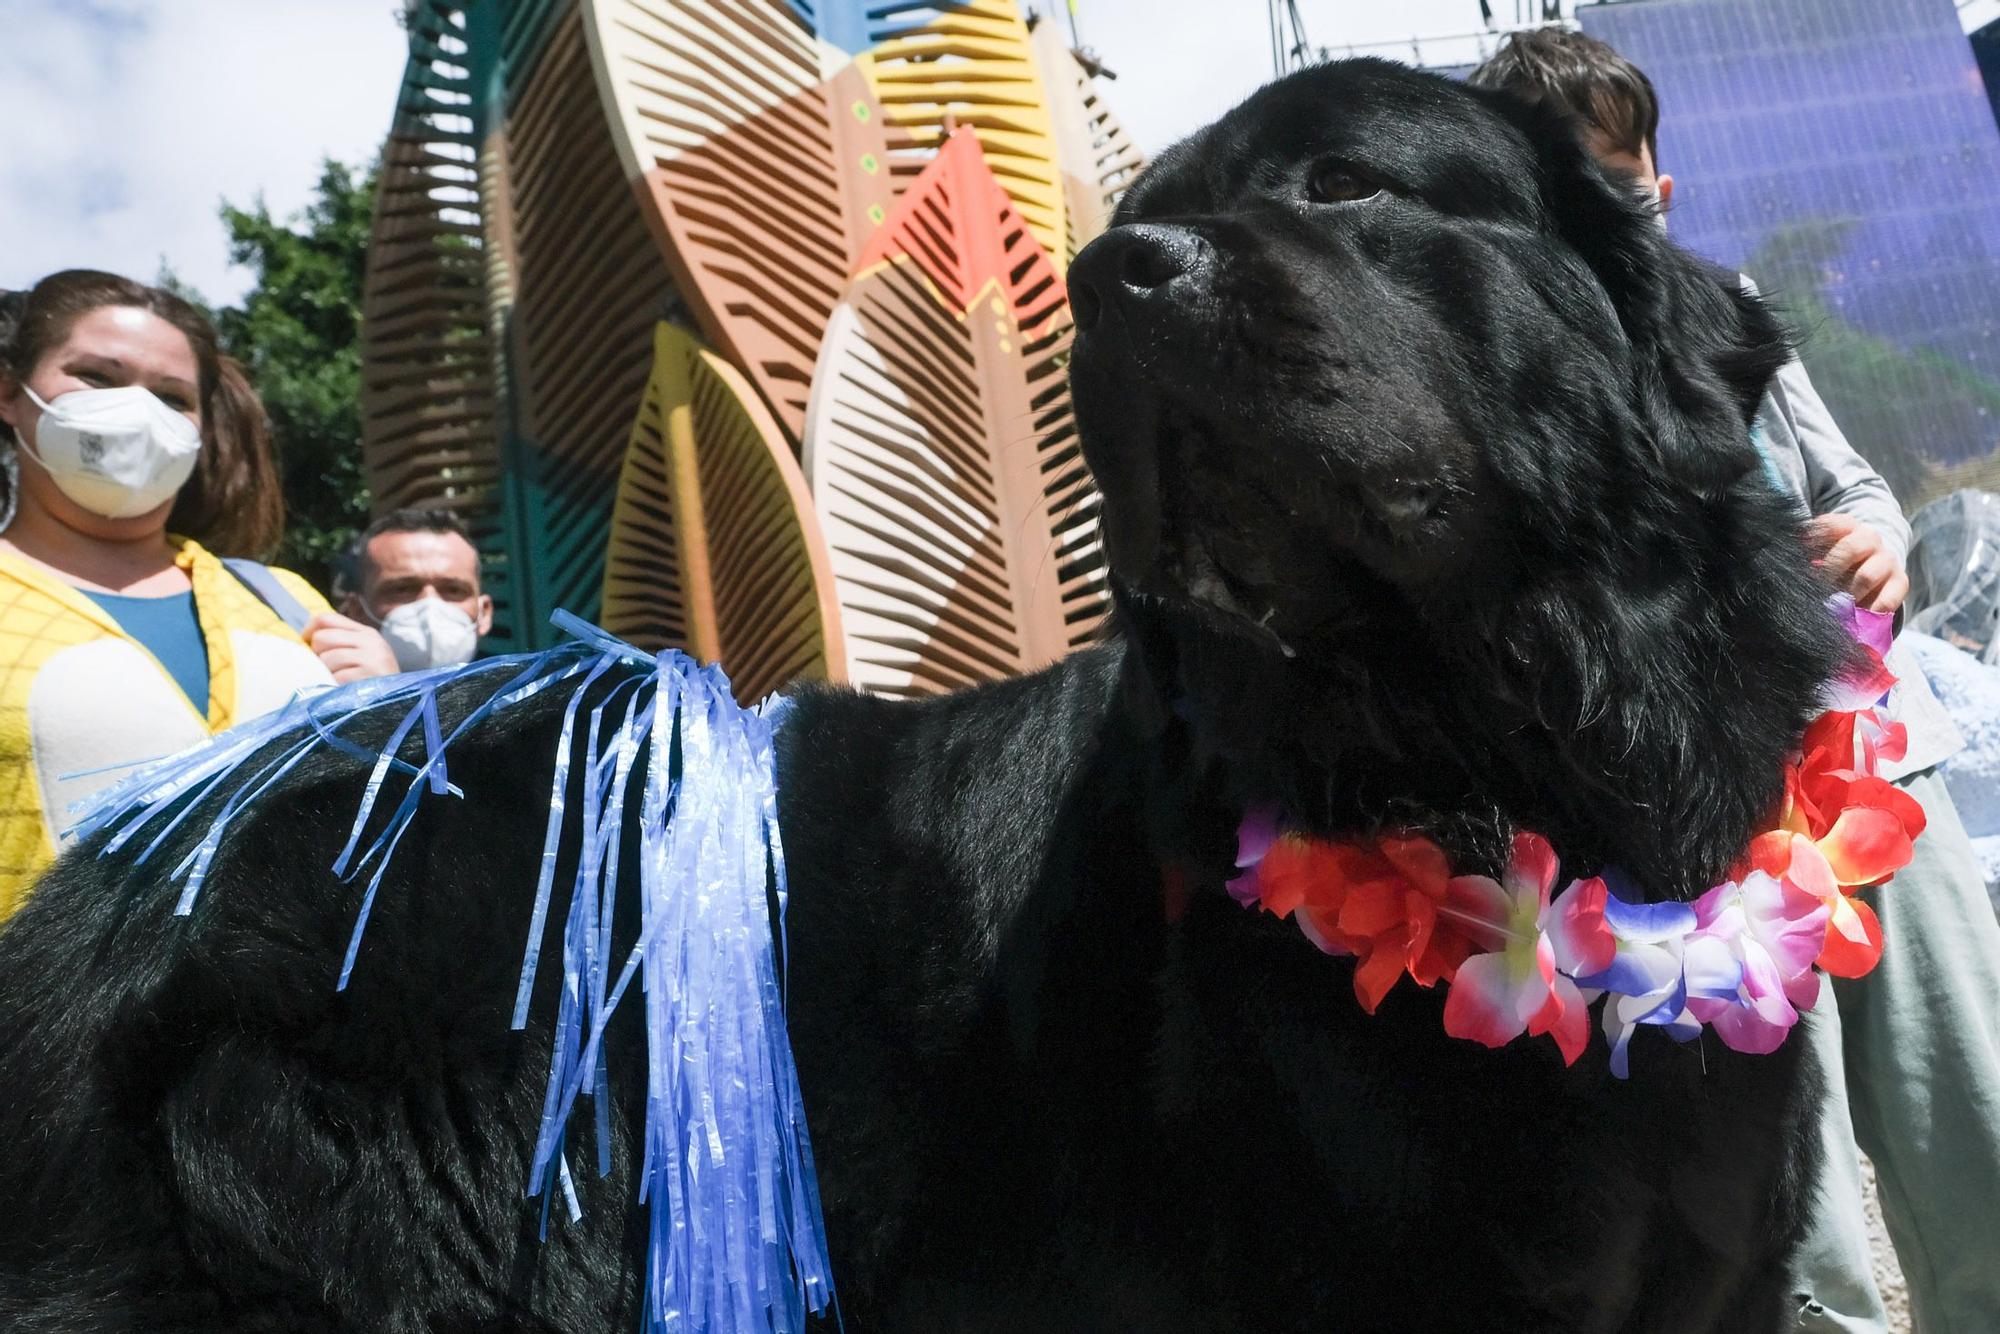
1911 1051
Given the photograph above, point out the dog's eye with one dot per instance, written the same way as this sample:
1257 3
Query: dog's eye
1338 183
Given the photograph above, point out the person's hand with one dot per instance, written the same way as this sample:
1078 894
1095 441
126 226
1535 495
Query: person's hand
349 649
1860 562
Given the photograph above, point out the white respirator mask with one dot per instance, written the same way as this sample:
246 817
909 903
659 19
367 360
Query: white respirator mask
429 632
116 452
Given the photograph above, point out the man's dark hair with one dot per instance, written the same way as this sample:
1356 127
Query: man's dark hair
348 576
1574 73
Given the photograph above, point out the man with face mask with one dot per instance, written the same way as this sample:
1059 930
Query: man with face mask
1911 1052
414 574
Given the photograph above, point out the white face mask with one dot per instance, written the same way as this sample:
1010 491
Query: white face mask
430 632
1651 194
116 452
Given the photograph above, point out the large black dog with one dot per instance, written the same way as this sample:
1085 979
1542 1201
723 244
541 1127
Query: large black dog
1431 504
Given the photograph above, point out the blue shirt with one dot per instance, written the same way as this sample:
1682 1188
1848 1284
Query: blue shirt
170 631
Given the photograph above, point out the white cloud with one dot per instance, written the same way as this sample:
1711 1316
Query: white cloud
1182 63
128 122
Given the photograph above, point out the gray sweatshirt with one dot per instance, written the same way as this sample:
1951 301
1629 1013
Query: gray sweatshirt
1808 457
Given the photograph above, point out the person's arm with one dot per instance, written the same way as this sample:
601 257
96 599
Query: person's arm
349 649
1867 536
1838 479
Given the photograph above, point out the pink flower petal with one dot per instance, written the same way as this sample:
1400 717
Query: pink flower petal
1567 1018
1479 907
1745 1029
1803 991
1763 987
1847 921
1531 871
1791 924
1809 870
1489 1002
1710 967
1583 943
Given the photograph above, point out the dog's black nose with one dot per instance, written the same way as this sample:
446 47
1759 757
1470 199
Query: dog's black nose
1138 262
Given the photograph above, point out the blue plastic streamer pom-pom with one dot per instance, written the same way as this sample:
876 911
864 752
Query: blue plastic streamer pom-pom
737 1243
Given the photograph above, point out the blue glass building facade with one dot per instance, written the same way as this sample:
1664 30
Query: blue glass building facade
1845 155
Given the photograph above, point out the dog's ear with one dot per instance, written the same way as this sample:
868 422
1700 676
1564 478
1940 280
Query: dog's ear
1704 349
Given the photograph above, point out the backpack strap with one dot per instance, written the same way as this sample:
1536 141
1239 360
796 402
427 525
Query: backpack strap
259 580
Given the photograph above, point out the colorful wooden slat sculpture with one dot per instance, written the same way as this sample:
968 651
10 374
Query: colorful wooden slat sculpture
749 186
939 447
725 123
427 402
715 548
938 66
520 30
1097 158
589 289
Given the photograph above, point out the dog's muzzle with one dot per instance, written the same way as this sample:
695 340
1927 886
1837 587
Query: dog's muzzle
1138 271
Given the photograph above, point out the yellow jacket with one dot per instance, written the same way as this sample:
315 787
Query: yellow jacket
81 701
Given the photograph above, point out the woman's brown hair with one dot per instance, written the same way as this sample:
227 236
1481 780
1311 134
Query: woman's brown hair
233 504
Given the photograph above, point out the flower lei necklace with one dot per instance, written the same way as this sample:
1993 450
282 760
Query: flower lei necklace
1740 959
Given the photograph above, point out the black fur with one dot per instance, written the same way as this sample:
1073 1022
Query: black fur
1435 509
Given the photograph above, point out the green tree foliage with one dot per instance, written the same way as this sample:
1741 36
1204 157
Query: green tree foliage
298 330
1909 410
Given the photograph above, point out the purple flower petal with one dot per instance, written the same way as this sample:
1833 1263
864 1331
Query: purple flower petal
1255 835
1713 971
1668 1008
1873 628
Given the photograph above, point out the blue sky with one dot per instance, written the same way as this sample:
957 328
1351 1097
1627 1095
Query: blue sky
128 121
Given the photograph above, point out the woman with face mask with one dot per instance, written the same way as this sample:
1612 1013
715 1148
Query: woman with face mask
137 459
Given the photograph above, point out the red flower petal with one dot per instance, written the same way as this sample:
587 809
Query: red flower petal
1770 853
1293 870
1846 958
1532 866
1420 912
1828 743
1891 740
1883 795
1379 969
1372 908
1866 845
1567 1017
1419 860
1441 958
